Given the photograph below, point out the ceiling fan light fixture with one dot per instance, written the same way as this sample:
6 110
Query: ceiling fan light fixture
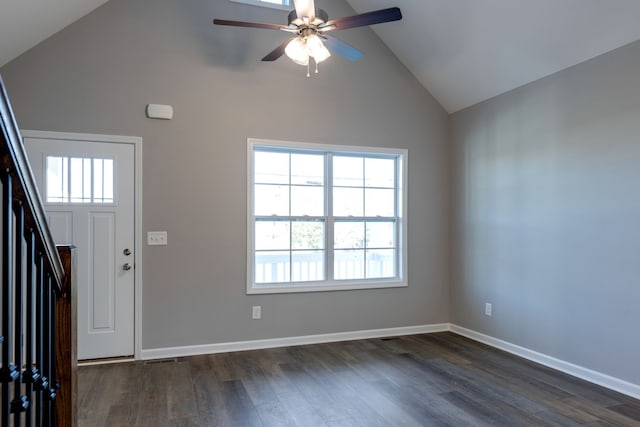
296 50
310 26
317 49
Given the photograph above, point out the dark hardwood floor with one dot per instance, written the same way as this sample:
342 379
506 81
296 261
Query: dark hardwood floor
422 380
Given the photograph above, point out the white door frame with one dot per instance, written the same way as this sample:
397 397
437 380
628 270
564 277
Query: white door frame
137 253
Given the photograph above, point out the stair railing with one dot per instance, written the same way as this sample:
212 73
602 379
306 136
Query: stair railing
38 346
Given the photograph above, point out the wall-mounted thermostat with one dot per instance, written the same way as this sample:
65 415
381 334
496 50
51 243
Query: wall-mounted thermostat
159 111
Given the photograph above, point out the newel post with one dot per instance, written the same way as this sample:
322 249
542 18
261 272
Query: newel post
66 341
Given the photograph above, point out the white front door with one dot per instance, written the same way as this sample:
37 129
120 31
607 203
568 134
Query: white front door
88 188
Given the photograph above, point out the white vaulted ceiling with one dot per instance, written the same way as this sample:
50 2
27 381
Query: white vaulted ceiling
462 51
466 51
25 23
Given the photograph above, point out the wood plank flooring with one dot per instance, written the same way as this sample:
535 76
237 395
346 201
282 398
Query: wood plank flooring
421 380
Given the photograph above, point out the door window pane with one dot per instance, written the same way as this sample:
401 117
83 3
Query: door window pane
107 178
79 180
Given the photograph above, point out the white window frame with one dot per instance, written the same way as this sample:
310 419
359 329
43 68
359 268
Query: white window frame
262 3
329 285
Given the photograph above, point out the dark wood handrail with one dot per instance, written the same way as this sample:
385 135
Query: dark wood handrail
25 187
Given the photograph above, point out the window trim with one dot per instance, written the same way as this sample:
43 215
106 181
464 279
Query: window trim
401 280
268 5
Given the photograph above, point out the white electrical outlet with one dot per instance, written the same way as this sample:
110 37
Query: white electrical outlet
487 309
156 238
256 313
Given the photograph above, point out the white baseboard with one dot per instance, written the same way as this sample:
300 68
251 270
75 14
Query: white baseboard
592 376
108 361
586 374
192 350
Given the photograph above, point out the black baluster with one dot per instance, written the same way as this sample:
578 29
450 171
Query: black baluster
55 385
46 344
46 349
41 384
32 374
19 402
8 373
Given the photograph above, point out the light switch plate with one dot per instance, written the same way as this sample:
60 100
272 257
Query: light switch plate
156 238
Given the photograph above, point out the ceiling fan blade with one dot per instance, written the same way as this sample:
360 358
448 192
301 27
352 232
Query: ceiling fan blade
369 18
305 9
341 48
277 52
249 24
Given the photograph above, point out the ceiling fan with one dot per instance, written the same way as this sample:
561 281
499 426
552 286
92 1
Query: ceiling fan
310 26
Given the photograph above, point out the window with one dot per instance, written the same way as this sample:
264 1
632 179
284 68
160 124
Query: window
79 180
278 4
325 217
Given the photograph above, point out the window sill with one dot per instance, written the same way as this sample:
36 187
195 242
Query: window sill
332 287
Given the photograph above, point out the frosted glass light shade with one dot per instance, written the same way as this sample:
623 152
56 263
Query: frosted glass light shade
316 48
297 51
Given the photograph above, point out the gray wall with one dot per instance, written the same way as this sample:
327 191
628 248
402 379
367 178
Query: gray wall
547 224
97 76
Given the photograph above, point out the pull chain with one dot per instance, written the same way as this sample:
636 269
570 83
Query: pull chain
308 75
316 67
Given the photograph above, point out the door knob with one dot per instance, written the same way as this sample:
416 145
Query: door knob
127 252
126 266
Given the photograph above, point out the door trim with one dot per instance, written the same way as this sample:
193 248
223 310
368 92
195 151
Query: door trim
136 142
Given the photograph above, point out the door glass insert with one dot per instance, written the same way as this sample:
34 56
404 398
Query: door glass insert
79 180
